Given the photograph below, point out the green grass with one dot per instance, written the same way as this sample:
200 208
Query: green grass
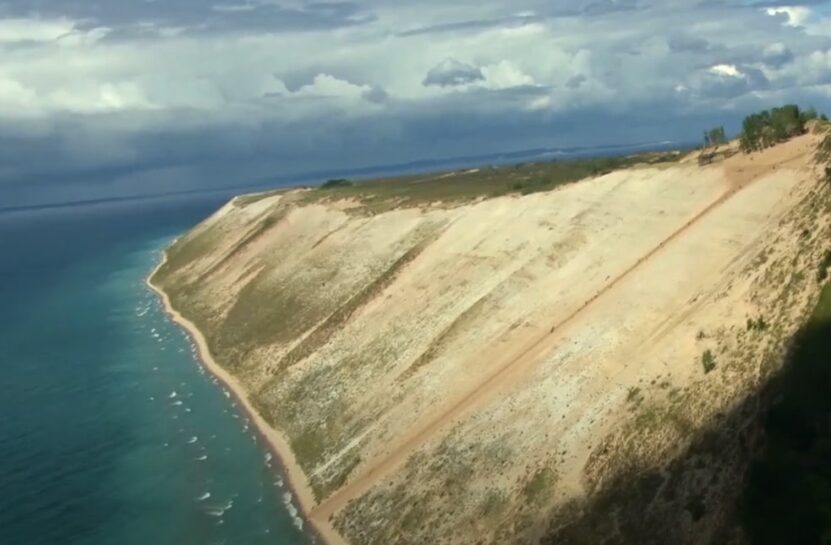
462 186
540 486
708 361
493 503
185 251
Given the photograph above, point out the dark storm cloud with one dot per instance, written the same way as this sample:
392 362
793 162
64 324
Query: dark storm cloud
777 55
576 81
376 94
247 94
135 17
684 42
472 25
748 79
451 72
172 158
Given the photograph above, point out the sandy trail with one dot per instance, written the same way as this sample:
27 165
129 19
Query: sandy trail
511 369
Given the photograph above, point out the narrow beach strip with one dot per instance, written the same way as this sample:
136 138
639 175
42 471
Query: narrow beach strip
277 442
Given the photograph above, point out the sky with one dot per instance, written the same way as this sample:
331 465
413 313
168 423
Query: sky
124 97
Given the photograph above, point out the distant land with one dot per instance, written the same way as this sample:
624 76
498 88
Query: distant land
398 169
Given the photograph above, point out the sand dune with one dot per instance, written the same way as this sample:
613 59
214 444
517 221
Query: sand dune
460 372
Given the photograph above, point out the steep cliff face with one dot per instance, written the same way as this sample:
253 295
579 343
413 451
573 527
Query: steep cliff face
469 372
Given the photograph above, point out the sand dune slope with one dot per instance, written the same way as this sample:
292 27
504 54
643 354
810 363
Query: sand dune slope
465 373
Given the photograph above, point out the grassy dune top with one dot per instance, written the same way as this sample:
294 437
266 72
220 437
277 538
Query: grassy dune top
457 187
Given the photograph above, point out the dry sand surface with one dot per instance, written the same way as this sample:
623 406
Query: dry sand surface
484 350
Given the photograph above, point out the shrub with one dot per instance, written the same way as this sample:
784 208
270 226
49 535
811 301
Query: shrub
759 324
336 182
708 361
769 127
715 137
822 272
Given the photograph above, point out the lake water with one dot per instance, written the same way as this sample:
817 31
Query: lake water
110 432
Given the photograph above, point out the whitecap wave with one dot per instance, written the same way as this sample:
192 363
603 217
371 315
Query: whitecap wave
218 511
192 440
204 496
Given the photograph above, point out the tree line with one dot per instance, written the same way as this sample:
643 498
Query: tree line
770 127
765 129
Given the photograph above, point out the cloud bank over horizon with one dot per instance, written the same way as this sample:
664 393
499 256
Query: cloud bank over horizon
129 96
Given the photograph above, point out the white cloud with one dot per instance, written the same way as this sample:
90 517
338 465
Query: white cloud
327 86
504 75
794 15
728 70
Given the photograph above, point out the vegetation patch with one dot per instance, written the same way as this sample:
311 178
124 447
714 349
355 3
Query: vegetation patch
787 496
770 127
822 270
323 332
708 361
459 187
336 183
493 503
757 324
540 486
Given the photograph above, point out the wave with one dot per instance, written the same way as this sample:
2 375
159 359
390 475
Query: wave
293 511
192 440
204 496
218 511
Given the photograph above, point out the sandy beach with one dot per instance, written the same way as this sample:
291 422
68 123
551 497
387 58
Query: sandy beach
277 442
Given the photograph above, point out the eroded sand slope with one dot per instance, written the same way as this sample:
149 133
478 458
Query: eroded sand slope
459 374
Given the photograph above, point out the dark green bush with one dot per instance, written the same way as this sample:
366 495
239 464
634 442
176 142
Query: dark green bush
708 361
769 127
336 182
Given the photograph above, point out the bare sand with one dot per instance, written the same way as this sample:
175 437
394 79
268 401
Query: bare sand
277 442
572 312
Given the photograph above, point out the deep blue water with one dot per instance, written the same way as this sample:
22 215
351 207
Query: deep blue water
110 433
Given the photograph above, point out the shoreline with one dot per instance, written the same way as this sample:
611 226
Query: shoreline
276 442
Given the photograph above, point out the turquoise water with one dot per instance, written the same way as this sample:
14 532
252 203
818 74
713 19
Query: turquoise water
110 432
